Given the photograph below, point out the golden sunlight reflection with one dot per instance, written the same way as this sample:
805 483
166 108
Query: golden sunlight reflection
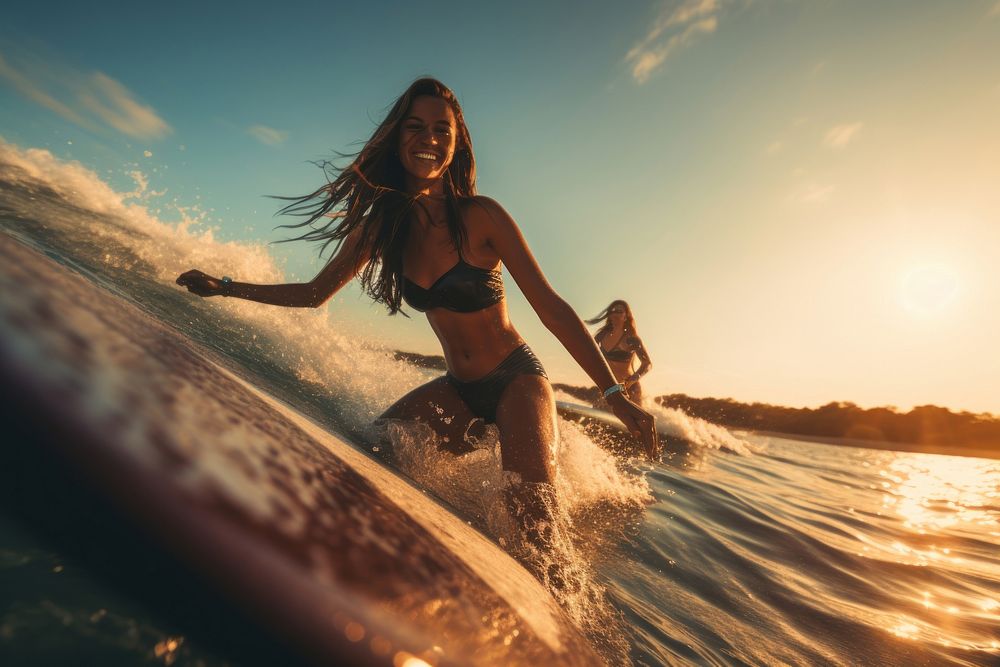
932 492
940 496
905 630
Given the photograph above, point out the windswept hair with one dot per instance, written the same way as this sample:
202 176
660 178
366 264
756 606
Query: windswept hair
369 194
604 319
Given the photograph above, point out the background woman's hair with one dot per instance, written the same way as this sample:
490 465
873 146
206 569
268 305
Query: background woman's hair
604 319
368 193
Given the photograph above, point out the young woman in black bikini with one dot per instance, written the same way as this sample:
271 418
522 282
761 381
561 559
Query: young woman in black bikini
406 217
619 341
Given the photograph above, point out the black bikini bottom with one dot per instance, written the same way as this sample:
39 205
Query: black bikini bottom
483 395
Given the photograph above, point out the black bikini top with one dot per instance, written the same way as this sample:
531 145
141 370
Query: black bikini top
463 288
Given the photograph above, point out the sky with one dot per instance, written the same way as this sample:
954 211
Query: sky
799 199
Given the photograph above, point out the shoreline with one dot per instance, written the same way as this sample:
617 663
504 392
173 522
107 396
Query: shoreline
883 445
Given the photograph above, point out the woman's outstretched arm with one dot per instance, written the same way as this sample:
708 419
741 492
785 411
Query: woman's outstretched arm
560 318
337 273
644 362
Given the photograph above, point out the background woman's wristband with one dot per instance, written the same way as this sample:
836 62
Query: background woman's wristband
227 284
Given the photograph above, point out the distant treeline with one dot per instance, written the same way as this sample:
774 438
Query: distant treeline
928 425
431 361
925 425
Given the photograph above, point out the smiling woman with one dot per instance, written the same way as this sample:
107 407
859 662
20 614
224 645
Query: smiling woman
427 138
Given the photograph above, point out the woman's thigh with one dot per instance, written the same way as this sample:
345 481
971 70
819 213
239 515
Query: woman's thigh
438 405
526 418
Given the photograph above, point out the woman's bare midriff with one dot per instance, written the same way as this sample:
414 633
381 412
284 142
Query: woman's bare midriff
474 343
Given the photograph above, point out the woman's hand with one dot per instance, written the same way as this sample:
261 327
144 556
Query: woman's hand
200 283
638 422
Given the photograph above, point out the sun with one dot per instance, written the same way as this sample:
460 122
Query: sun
929 290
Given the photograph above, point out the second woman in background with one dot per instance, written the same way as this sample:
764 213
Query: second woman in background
619 341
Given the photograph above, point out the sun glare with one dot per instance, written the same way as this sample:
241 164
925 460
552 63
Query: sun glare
935 492
929 290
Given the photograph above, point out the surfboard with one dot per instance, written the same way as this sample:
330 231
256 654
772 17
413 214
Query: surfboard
339 558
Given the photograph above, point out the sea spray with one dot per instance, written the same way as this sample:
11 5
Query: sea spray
589 483
111 235
698 432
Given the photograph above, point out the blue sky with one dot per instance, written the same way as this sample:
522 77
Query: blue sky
798 198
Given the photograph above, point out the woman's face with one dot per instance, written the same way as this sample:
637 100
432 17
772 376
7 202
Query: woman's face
617 313
427 138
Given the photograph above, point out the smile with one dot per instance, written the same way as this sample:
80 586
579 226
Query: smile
426 156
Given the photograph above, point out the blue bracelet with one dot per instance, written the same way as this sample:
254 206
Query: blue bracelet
614 388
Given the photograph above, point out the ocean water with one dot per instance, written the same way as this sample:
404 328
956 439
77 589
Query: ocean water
738 550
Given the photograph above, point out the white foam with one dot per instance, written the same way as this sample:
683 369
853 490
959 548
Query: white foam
698 432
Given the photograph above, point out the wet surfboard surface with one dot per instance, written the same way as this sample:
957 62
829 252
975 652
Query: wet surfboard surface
340 558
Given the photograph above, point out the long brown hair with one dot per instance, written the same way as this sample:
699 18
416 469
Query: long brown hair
604 318
368 193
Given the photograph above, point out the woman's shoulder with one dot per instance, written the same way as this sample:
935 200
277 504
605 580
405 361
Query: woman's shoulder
486 206
481 205
484 214
633 341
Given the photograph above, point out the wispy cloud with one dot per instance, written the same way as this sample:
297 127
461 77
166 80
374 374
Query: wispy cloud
813 194
115 105
676 27
88 100
267 135
841 135
33 92
774 147
995 12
